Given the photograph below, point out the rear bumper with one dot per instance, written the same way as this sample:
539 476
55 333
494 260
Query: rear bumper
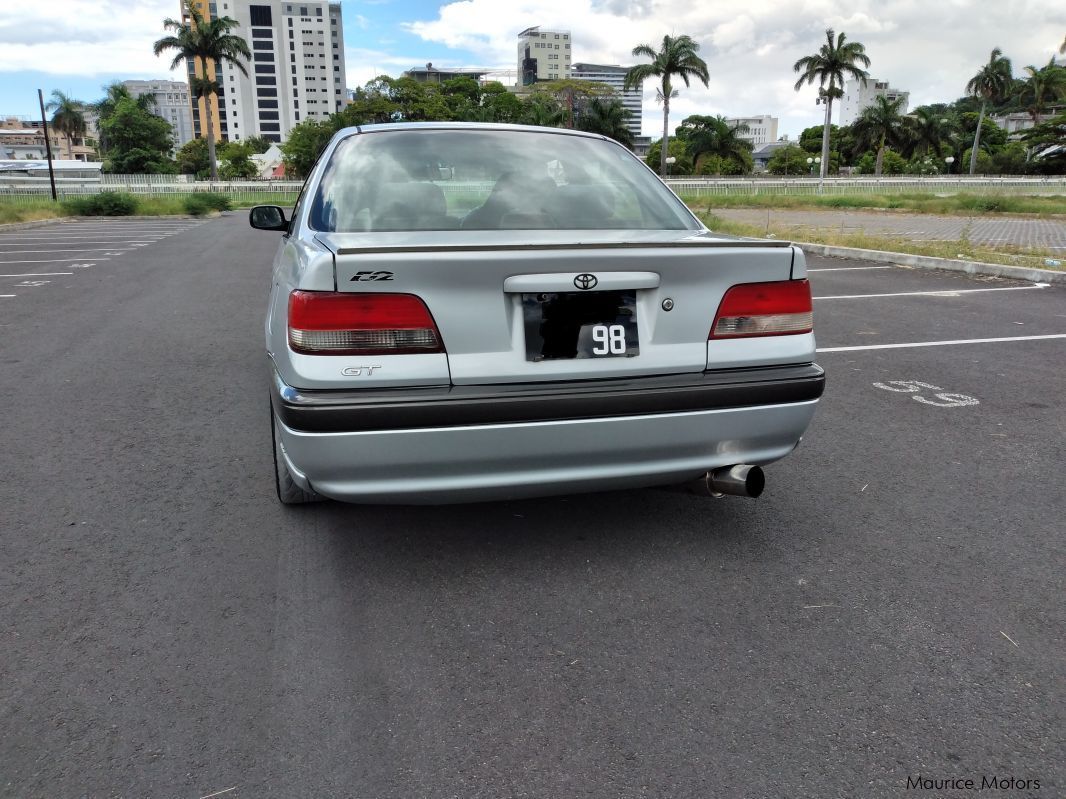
432 446
334 411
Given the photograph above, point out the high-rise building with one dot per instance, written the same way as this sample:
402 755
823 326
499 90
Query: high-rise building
543 55
858 96
615 76
761 129
296 72
171 103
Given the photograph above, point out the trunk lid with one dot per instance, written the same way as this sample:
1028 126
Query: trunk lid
483 289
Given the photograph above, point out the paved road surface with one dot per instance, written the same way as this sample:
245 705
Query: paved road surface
994 231
892 606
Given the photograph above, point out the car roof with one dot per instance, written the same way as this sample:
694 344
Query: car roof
466 126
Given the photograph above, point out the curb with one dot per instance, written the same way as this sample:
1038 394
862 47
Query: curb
33 224
929 262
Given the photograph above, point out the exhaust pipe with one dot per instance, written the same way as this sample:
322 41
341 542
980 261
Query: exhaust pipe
742 480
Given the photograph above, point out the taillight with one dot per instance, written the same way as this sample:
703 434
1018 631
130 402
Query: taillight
330 323
764 309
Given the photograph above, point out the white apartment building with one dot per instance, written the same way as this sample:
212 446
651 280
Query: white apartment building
543 55
858 97
762 129
297 68
615 77
171 103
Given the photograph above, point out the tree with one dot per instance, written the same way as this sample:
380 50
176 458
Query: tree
192 158
207 44
543 110
1047 142
928 130
238 163
879 125
713 139
676 149
832 64
892 163
573 95
676 57
498 104
990 84
259 144
608 118
1043 87
105 108
305 143
139 142
788 160
67 117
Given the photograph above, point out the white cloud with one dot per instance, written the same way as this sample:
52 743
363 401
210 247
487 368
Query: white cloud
930 49
74 37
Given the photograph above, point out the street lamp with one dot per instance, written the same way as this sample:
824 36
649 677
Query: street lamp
811 162
670 161
949 161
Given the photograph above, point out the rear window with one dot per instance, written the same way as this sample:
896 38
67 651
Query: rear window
450 179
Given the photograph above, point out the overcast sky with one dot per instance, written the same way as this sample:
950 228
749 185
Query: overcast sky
929 47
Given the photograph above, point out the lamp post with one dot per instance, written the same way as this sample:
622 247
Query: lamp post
670 161
813 162
949 161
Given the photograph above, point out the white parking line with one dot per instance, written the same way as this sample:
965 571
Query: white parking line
946 293
939 343
8 295
850 268
68 249
51 260
38 274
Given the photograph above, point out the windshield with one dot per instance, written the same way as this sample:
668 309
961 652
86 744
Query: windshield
476 179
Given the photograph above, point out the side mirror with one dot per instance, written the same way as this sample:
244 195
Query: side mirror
268 217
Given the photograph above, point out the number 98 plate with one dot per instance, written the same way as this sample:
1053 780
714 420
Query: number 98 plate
587 324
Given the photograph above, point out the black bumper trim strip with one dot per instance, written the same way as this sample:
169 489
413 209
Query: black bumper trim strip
332 411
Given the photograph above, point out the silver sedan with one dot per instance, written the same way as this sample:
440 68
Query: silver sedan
464 312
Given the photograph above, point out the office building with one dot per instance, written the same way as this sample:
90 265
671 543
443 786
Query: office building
762 129
438 75
296 72
615 77
22 138
543 55
858 97
171 103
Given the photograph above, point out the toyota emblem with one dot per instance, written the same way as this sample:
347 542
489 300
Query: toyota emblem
586 281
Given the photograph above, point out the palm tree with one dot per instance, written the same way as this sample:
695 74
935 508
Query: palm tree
608 118
676 57
714 136
879 125
928 129
1044 86
205 43
68 117
990 84
105 108
832 64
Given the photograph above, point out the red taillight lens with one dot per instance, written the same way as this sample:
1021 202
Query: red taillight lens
764 309
330 323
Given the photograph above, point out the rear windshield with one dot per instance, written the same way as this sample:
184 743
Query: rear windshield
489 180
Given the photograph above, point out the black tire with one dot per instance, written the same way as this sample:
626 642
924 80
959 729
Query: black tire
288 492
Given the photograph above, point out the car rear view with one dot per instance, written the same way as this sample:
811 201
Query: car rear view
472 312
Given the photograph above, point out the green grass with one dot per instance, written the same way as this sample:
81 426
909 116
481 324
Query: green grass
956 204
957 250
22 209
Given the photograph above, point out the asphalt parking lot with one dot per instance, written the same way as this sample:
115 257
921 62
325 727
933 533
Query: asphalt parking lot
890 609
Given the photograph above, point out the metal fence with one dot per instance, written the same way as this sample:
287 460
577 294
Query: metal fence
33 190
1024 184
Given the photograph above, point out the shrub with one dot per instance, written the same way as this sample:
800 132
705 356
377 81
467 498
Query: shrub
202 202
105 203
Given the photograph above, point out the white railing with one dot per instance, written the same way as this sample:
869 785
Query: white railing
867 184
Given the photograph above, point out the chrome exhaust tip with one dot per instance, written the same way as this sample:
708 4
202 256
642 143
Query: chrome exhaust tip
741 480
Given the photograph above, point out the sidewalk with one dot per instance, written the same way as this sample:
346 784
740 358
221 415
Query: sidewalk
978 230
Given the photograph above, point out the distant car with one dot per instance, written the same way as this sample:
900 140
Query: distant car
465 312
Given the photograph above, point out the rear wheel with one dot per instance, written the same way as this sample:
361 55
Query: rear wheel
288 491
